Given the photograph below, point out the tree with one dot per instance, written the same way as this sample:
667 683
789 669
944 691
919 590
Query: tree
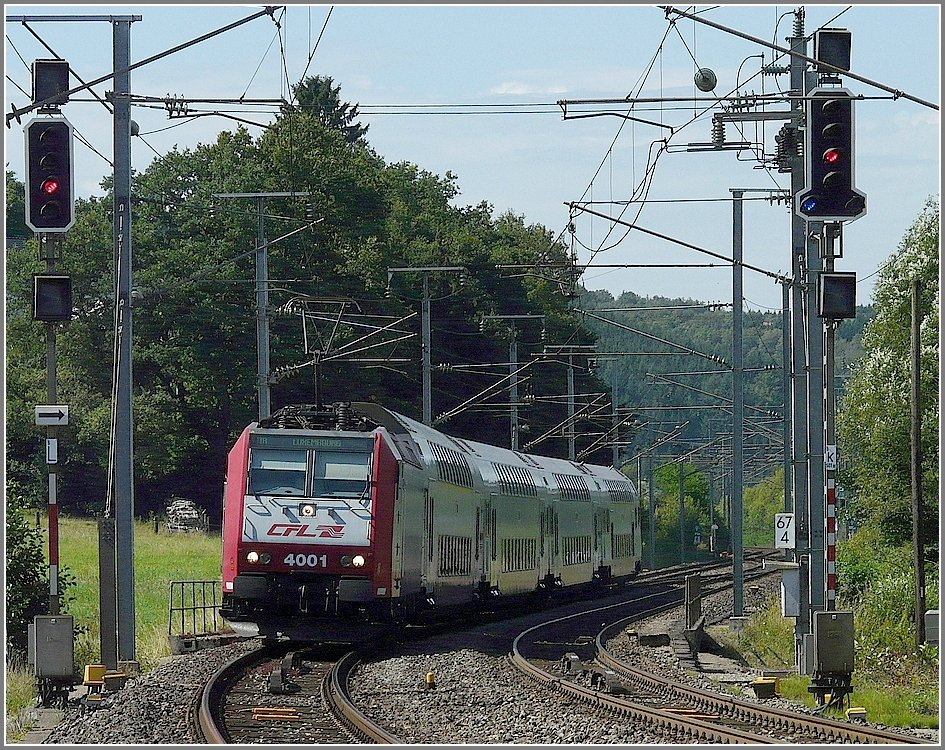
761 502
26 573
317 96
16 230
874 415
696 509
194 343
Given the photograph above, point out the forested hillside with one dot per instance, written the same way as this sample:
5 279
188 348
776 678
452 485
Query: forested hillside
330 291
334 301
672 377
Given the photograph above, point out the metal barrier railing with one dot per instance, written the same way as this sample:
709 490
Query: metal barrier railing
197 604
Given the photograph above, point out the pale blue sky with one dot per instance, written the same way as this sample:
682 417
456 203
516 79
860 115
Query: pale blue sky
534 162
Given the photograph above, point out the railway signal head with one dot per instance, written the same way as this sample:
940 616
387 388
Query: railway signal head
52 297
50 199
836 295
830 192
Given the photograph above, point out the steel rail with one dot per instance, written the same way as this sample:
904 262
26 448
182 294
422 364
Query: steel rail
692 729
828 730
778 720
334 690
216 687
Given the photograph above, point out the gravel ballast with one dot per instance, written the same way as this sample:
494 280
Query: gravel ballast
479 696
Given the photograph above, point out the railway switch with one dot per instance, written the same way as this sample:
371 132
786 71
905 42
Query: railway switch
279 682
607 680
571 664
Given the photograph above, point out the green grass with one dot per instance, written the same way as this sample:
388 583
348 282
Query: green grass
159 559
902 694
21 694
903 707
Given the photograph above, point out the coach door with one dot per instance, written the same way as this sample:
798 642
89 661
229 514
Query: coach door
429 572
547 551
487 537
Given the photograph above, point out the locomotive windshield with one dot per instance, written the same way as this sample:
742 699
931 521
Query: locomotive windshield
277 472
280 471
341 473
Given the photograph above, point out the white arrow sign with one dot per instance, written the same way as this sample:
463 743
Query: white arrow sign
52 415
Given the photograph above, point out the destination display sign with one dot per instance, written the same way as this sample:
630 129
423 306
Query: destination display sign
326 442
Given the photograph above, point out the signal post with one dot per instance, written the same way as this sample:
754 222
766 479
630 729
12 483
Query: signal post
50 212
825 196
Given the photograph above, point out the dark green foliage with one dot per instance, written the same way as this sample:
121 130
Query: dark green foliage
761 502
878 581
194 316
316 96
874 415
16 230
26 573
707 332
697 499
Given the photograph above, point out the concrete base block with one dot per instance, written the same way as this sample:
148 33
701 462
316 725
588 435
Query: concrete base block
737 624
653 639
765 687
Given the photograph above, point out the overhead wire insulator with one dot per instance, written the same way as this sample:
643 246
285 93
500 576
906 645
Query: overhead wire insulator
718 131
787 147
799 22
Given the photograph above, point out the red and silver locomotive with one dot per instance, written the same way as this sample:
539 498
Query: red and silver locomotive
374 518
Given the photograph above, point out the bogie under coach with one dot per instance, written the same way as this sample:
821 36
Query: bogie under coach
361 515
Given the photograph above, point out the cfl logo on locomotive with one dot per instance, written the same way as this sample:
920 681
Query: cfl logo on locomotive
322 531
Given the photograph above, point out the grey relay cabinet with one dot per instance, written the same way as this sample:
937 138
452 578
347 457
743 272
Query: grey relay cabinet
833 643
50 647
832 678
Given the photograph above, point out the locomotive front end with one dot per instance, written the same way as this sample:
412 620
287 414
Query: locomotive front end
307 531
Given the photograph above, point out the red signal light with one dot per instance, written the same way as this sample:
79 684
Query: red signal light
50 186
831 156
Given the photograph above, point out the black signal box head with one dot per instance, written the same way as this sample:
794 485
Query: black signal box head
50 78
830 192
836 297
50 199
832 46
52 297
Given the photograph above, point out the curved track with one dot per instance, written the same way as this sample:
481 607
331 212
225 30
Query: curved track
311 705
568 654
563 654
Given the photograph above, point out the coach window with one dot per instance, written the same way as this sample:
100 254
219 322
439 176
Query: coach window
341 473
277 472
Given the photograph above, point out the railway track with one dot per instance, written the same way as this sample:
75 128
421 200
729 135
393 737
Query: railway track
570 654
284 697
676 574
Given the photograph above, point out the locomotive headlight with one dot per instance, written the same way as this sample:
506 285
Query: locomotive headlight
307 510
252 557
345 560
265 558
358 561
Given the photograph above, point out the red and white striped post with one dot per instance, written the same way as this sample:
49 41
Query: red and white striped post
831 519
53 544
